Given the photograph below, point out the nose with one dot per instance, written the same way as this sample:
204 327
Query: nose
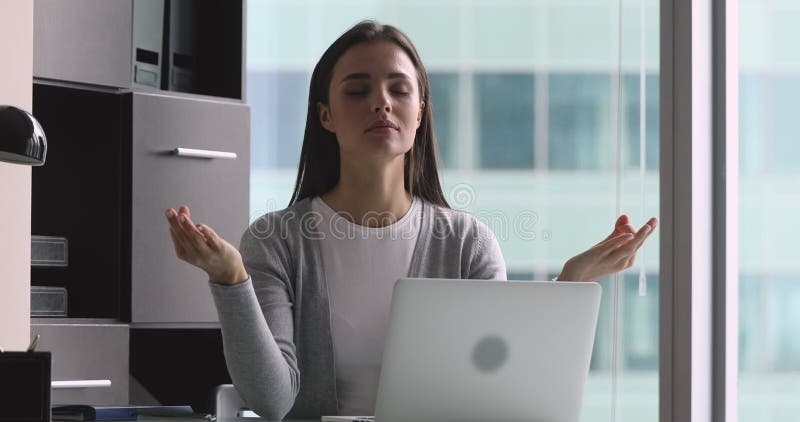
381 103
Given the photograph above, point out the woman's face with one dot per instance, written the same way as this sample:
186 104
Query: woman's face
374 103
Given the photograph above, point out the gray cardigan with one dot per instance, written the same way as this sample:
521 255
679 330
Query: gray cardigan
276 328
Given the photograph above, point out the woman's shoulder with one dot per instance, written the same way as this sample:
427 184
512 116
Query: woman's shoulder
284 224
446 222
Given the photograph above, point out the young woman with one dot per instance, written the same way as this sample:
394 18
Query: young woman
304 302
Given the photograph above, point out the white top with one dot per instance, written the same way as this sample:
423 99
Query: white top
361 265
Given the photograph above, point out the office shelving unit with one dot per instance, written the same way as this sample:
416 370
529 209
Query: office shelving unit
112 169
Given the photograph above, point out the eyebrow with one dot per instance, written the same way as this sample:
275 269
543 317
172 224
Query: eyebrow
360 76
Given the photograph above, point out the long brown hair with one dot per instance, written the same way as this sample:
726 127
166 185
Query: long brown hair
319 159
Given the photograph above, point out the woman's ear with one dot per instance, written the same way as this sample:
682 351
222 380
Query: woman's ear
420 114
325 117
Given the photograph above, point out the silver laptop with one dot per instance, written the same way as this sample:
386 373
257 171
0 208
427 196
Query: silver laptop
465 350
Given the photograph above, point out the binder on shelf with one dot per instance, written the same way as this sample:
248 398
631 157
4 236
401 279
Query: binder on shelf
148 40
181 57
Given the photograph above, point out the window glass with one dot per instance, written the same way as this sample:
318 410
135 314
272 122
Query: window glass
281 100
767 108
525 103
632 89
504 111
580 118
444 94
769 203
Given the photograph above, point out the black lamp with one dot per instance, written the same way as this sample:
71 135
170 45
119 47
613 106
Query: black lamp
22 139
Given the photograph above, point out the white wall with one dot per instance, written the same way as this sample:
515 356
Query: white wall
16 78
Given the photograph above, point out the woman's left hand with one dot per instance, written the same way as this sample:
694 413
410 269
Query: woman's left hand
616 253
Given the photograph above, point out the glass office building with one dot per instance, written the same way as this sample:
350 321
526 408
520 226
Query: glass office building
547 120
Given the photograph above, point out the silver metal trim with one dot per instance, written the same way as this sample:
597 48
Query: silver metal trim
80 384
685 296
203 153
726 212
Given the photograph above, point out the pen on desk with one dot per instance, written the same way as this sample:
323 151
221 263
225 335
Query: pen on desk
33 344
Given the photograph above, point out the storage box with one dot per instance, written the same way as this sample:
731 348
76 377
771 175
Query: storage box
48 301
49 251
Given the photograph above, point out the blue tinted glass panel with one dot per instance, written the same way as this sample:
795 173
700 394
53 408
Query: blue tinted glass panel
639 321
444 102
504 110
779 108
278 116
632 119
579 117
751 124
521 276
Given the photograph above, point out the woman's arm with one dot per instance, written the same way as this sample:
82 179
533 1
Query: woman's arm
251 293
258 343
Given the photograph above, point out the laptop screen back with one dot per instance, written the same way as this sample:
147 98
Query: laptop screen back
480 350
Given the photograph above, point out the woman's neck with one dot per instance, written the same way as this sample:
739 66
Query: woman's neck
370 196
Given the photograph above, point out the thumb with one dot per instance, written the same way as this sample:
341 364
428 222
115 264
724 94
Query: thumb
619 226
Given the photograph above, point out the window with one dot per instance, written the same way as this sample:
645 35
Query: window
445 98
580 118
525 98
504 111
632 120
282 117
769 203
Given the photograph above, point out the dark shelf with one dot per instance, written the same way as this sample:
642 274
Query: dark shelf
81 193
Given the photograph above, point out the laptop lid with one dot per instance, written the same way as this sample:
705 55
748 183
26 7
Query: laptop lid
466 350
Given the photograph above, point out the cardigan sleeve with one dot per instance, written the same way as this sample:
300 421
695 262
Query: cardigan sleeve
486 260
258 329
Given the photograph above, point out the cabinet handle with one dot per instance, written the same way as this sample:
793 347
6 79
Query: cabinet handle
80 384
203 153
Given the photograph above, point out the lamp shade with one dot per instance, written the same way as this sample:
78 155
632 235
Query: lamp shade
22 139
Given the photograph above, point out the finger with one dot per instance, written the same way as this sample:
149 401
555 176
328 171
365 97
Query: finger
175 226
178 243
184 209
625 228
212 238
172 216
632 260
622 225
174 219
196 238
612 243
637 241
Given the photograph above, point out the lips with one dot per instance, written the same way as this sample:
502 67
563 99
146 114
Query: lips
382 125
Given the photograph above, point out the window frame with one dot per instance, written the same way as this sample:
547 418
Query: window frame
698 363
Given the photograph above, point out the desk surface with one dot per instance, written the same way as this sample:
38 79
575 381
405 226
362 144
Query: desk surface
241 420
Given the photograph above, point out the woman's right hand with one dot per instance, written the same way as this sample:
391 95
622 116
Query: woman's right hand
200 246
